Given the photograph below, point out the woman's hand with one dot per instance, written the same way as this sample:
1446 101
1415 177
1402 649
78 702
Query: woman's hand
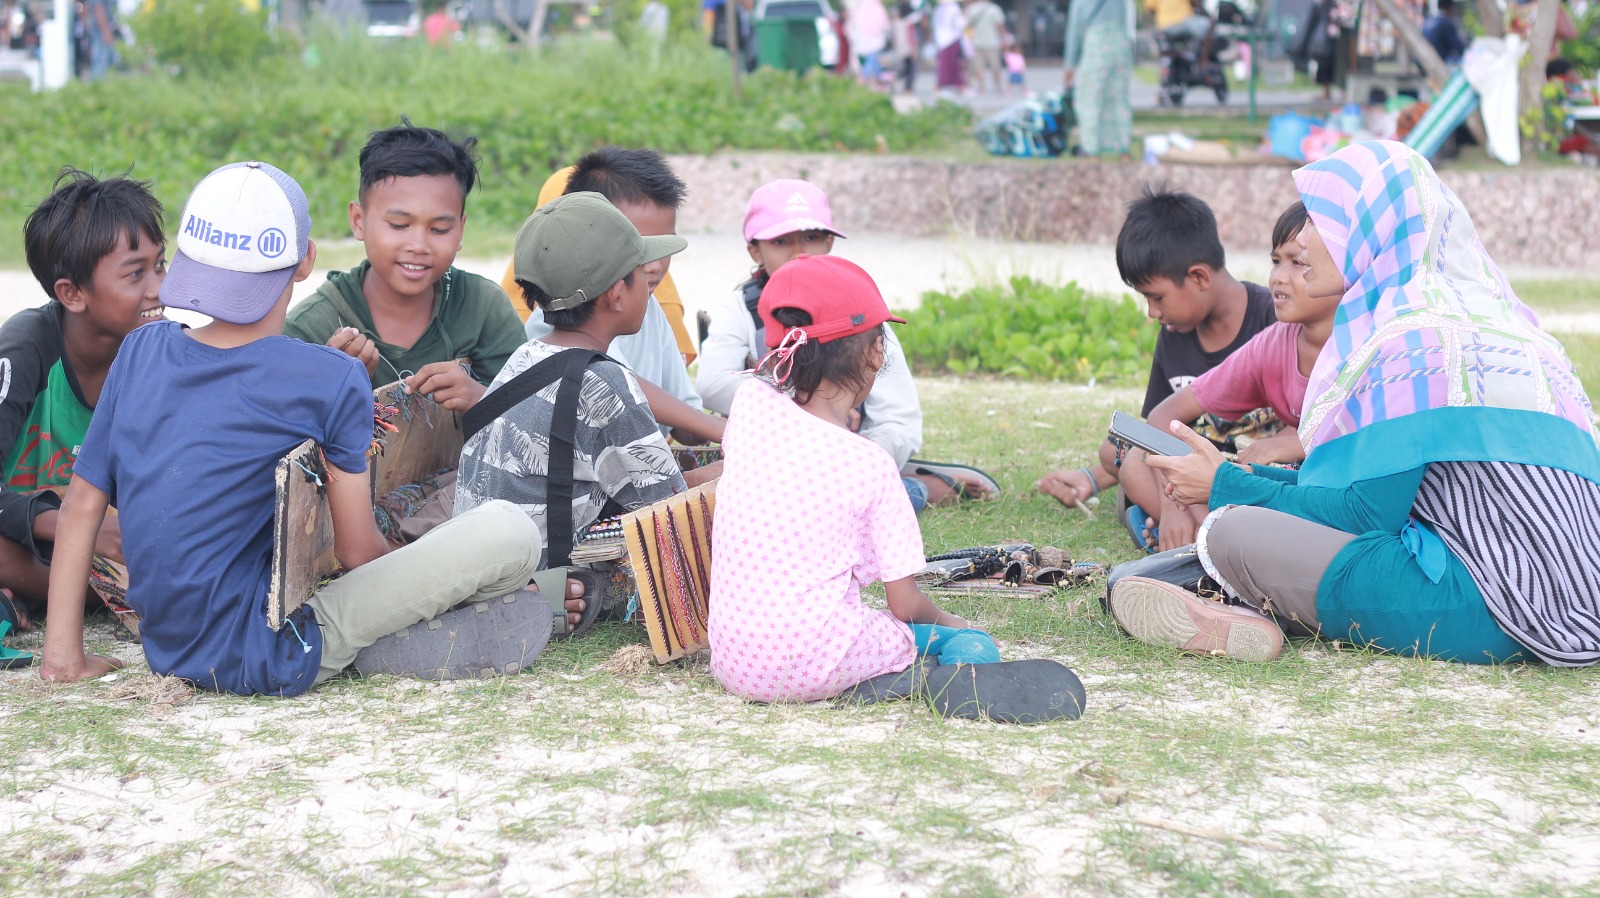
1189 476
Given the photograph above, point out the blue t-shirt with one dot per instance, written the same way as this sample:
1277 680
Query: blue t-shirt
185 441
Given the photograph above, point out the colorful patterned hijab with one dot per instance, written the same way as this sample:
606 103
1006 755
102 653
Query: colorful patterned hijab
1427 322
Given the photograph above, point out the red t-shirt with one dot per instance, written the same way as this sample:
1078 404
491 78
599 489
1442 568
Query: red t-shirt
1263 373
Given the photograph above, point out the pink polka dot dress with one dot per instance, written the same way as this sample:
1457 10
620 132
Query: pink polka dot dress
807 512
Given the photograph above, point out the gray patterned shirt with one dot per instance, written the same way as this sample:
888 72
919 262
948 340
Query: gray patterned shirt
621 457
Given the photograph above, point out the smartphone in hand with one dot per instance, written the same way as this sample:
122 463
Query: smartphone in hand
1127 432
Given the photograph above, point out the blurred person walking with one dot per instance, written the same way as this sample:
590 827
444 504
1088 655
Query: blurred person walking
949 25
1099 69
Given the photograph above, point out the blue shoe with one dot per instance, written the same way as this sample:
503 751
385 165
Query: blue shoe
1136 521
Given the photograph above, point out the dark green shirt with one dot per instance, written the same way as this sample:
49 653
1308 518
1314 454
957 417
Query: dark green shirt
471 320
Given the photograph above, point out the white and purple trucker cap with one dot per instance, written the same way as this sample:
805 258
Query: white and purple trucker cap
243 232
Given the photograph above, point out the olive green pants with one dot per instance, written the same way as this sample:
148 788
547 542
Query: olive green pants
487 552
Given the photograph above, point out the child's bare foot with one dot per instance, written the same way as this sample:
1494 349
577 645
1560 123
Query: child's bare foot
576 603
948 483
959 486
13 610
585 589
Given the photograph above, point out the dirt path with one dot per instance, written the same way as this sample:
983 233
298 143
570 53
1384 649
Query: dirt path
904 268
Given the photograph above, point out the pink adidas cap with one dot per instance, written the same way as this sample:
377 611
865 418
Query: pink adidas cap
785 206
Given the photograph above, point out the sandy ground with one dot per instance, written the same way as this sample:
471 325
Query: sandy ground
1364 778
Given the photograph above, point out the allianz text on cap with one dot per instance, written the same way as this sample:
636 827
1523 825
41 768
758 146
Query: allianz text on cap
244 230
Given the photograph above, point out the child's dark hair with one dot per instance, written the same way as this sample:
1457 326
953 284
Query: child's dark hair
407 151
1166 233
79 223
843 361
628 176
560 319
1289 225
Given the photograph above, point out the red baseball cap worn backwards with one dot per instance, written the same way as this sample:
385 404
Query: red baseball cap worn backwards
841 299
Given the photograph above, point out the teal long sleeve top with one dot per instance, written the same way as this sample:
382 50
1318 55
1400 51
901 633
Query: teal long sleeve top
1382 504
1395 587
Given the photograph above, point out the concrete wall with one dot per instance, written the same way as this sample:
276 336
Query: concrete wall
1548 218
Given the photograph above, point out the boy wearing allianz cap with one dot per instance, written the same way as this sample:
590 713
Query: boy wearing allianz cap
189 429
564 432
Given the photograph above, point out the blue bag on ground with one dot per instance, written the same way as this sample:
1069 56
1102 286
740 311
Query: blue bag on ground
1034 127
1286 131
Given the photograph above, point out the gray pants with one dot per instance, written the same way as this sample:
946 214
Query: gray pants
1272 561
487 552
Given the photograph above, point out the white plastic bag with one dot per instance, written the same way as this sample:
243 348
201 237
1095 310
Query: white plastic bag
1490 65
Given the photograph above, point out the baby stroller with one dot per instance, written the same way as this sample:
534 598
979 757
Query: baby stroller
1033 128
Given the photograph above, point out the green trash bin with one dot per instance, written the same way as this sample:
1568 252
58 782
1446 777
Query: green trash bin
788 43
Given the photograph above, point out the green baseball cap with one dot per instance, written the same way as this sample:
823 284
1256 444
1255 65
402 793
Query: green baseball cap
576 246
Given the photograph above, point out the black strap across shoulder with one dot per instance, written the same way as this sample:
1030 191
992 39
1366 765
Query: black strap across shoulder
751 293
567 367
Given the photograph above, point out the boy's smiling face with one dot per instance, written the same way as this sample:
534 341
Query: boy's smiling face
124 291
412 229
652 220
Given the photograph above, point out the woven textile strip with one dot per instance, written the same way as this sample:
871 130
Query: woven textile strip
669 551
1427 321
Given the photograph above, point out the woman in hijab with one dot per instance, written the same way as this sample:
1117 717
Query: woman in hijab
949 23
1449 504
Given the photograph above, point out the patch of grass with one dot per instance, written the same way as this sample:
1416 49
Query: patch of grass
1584 351
1559 294
1328 771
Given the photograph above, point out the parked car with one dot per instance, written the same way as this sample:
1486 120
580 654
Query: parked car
393 18
827 22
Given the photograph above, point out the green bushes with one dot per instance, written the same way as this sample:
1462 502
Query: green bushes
204 37
1030 329
531 114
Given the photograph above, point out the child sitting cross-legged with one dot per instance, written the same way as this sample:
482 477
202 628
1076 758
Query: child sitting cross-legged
1271 371
96 247
406 311
565 432
784 219
189 429
808 513
1169 250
